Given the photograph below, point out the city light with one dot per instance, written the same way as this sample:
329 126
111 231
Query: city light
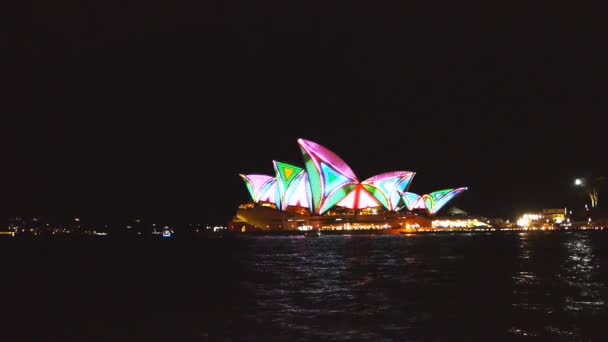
526 219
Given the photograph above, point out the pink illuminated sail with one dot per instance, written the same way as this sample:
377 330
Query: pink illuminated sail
257 184
297 192
387 187
359 198
330 178
270 195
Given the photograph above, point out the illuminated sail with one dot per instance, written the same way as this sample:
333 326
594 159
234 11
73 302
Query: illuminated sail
286 174
330 178
298 193
412 201
359 198
257 185
434 201
387 187
271 193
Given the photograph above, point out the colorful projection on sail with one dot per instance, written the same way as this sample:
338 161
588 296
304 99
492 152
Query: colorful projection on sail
434 201
413 201
271 194
330 178
298 193
387 187
359 198
285 175
257 185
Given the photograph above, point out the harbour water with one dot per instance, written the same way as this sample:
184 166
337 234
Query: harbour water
422 287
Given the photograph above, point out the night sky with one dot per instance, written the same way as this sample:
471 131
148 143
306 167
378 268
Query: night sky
153 108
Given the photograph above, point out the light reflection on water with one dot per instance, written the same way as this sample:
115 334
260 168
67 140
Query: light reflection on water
550 286
432 286
580 271
557 290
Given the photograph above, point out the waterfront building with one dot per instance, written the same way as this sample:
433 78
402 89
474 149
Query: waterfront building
326 194
557 215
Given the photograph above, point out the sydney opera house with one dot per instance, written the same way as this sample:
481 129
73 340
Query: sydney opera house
325 194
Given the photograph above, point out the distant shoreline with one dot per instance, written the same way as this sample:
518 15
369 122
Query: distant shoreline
412 232
292 233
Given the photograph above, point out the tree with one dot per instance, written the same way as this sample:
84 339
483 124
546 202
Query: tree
591 186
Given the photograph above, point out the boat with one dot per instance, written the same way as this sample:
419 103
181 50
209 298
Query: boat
313 233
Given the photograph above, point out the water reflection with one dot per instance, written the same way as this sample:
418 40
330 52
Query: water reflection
420 287
579 273
527 304
556 290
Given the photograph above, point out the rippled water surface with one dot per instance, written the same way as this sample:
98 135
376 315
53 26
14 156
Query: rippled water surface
478 286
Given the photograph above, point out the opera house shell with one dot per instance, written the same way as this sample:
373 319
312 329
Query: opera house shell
326 194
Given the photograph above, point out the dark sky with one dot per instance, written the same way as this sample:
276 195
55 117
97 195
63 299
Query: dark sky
152 108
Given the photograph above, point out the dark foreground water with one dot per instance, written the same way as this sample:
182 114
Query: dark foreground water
431 287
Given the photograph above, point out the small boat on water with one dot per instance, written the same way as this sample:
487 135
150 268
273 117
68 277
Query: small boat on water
313 233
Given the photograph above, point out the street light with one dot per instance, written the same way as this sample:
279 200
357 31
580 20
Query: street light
578 182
